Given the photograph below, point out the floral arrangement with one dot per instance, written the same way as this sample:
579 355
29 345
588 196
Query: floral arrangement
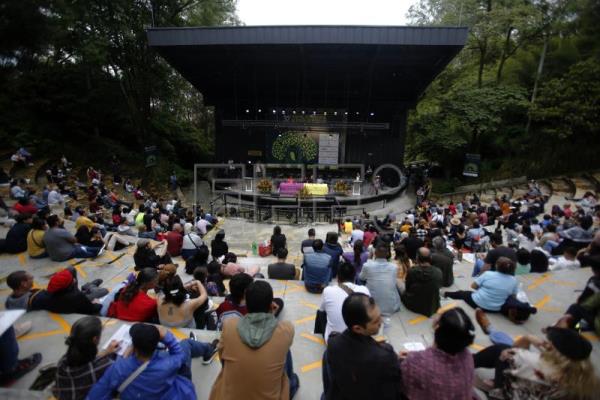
341 187
264 186
304 193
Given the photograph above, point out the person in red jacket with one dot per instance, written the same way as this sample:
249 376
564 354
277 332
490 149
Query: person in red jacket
25 206
132 303
175 240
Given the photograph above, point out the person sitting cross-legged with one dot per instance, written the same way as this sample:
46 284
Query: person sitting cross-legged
380 275
281 269
11 367
317 268
423 283
62 245
255 353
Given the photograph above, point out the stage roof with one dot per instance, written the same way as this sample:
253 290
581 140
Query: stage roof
362 68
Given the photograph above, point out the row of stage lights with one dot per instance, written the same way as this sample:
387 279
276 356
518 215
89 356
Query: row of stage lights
335 113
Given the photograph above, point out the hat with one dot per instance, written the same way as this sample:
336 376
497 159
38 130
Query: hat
60 281
455 221
144 337
569 343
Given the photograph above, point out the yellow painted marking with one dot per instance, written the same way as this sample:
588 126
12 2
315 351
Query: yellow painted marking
22 258
310 305
551 309
41 334
81 271
66 327
110 322
311 366
537 282
72 261
590 336
313 338
417 320
303 320
563 283
178 334
293 290
441 310
447 307
36 285
294 284
542 302
476 346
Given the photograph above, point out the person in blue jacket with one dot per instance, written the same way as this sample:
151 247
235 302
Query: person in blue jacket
167 375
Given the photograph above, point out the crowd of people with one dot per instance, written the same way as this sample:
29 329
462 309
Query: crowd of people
365 272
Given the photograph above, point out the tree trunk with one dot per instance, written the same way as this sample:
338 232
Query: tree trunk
505 54
482 54
537 80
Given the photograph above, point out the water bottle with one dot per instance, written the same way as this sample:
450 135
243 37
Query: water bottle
254 248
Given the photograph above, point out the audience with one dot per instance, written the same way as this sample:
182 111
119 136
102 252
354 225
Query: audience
358 256
333 248
148 255
234 304
16 238
423 283
307 244
62 245
175 307
191 242
132 303
11 367
380 277
35 238
21 284
278 241
443 259
175 240
281 269
218 246
316 268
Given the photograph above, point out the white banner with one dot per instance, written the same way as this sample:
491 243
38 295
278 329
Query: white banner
329 144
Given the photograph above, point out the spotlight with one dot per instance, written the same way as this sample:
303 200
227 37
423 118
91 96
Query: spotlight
274 112
259 110
283 112
335 113
247 111
372 114
357 113
314 113
302 112
345 112
325 113
294 112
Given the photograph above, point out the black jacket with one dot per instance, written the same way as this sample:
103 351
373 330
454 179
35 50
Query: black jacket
66 302
362 369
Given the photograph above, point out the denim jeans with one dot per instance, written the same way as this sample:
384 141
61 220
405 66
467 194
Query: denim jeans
9 351
192 349
81 251
292 377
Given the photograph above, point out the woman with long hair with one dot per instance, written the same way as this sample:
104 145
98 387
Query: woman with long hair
82 365
218 246
402 261
175 307
357 257
333 248
132 303
146 256
35 238
278 240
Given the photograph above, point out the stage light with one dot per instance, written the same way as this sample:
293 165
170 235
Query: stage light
357 113
259 110
283 112
274 112
294 112
345 112
314 113
302 112
247 111
279 135
372 114
335 113
325 113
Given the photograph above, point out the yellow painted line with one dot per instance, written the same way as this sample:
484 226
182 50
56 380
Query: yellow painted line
38 335
311 366
447 307
110 322
36 285
477 347
22 258
303 320
418 320
551 309
313 338
178 334
590 336
542 302
563 283
66 327
81 271
293 290
310 305
539 281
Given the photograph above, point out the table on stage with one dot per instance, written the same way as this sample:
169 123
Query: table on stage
290 188
317 189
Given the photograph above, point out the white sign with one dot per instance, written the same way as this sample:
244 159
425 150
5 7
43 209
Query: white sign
329 144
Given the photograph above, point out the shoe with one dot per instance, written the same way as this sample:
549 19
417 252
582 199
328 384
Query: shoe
97 282
22 329
445 295
482 320
192 336
101 251
23 367
213 353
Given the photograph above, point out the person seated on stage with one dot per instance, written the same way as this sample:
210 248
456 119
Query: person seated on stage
16 237
148 255
423 283
167 374
380 277
234 304
333 297
11 367
132 303
317 268
278 241
21 283
307 244
281 269
83 365
35 238
229 267
218 246
191 242
199 259
175 240
449 357
64 297
175 307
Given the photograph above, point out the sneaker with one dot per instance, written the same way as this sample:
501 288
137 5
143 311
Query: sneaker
23 367
482 320
22 329
97 282
192 336
207 359
101 251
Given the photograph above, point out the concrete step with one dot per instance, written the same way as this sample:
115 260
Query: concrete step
582 186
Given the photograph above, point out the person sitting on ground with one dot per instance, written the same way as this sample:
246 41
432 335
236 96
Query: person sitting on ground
498 250
21 283
62 295
354 353
578 236
357 234
25 206
218 246
132 303
358 256
412 243
443 259
449 357
84 219
198 259
143 233
278 240
61 245
166 375
333 297
333 248
380 277
281 269
93 238
35 238
234 304
307 244
203 226
11 367
255 348
590 256
175 240
82 365
175 308
214 279
230 267
423 283
317 268
16 237
568 260
523 259
191 242
148 256
556 367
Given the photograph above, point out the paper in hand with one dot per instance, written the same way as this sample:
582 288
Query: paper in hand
122 336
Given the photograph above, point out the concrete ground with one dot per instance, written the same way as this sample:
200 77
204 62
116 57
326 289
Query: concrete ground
551 293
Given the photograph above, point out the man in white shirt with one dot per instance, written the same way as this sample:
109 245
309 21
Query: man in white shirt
334 296
357 234
202 226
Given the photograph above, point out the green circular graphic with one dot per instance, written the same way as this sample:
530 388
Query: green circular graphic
294 147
